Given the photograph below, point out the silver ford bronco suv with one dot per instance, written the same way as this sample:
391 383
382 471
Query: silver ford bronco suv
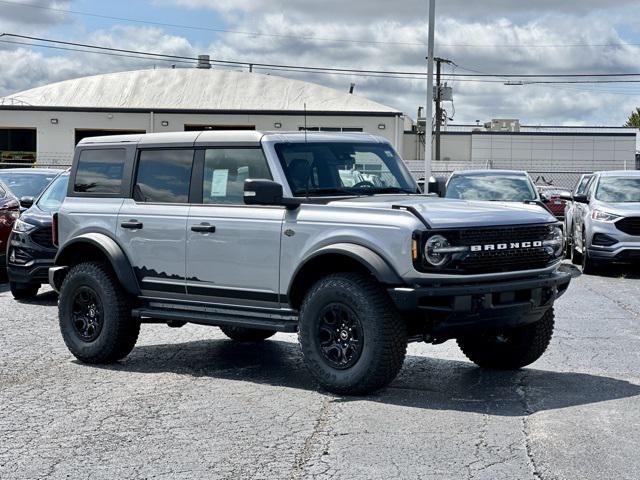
321 234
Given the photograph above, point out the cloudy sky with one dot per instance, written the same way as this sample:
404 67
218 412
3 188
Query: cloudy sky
489 36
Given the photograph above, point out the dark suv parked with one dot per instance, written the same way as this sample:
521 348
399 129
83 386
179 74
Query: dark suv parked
31 252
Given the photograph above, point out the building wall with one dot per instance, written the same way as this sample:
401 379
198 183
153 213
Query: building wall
56 142
557 157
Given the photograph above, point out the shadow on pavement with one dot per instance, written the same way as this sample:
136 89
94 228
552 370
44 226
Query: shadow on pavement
423 382
46 299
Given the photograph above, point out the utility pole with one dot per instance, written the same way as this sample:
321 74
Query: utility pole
428 130
439 62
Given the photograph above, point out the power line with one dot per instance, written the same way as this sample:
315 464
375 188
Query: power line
408 75
207 29
309 37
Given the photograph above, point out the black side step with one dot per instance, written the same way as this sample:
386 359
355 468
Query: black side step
216 319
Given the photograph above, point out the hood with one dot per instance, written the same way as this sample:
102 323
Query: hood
37 217
624 209
450 213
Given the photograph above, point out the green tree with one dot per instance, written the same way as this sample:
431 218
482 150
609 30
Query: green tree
634 119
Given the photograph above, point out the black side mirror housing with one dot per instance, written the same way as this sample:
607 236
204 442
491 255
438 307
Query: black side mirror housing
580 199
267 192
26 202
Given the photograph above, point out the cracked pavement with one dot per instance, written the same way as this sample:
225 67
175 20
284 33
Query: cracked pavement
188 403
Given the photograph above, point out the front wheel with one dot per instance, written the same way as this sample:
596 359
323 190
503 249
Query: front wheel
589 266
353 339
511 349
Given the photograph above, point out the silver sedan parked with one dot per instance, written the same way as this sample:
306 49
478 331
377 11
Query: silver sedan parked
608 227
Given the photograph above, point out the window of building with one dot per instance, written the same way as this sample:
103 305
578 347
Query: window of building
226 169
164 176
18 145
100 171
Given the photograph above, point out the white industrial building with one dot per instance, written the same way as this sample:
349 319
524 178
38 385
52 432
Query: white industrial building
45 123
556 152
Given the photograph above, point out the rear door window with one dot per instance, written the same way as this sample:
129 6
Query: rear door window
164 176
100 171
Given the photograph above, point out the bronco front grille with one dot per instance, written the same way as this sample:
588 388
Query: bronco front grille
629 225
507 252
43 237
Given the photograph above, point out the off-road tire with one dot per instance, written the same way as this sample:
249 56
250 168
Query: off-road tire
242 334
24 291
119 330
524 346
384 334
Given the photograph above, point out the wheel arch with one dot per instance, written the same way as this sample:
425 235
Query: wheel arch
340 257
99 247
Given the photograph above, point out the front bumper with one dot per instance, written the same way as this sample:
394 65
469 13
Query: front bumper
35 271
627 248
456 310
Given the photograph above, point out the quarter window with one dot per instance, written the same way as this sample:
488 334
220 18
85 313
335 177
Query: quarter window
226 169
164 176
100 171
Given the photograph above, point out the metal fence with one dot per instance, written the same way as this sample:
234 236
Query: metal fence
564 180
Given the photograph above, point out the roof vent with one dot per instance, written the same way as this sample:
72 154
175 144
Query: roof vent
204 61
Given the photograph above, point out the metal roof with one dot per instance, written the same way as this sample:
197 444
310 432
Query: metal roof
193 89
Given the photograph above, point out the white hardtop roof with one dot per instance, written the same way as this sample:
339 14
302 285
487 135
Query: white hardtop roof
251 137
194 89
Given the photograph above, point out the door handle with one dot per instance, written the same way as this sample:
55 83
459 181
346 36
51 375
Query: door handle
203 228
132 225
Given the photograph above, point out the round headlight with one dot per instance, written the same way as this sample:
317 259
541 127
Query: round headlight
555 241
432 253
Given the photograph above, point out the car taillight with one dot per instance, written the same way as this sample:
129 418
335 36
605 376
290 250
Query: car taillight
54 230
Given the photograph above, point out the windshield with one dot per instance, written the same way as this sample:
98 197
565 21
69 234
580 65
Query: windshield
343 168
618 189
54 195
498 187
26 184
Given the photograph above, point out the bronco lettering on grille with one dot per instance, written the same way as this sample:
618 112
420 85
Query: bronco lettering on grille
505 246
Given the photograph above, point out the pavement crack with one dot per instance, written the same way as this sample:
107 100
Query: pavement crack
521 390
306 452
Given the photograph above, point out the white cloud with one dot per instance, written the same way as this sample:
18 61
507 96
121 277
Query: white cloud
491 22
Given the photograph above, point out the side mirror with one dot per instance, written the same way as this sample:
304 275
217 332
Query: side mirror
267 192
544 197
26 202
581 199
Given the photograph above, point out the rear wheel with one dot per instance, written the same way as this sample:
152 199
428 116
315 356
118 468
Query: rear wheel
353 339
24 291
242 334
95 315
511 349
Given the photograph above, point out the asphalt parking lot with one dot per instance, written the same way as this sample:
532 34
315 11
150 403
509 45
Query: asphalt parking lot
188 403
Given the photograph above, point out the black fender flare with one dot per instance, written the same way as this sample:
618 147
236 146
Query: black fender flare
111 250
369 259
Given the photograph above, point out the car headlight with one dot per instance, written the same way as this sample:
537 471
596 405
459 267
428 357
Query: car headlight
600 216
438 251
555 241
22 227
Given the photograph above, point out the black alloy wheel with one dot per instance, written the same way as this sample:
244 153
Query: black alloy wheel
340 336
87 314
